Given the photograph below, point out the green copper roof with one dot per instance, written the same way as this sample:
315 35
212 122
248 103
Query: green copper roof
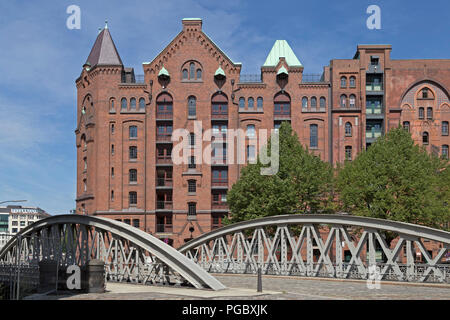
282 70
219 71
281 49
163 72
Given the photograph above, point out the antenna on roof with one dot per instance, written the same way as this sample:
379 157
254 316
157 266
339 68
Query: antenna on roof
106 24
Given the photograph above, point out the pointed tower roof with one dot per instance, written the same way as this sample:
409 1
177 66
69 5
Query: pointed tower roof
104 51
281 49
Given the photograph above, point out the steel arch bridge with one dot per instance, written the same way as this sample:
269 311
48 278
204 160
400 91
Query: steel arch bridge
129 254
294 245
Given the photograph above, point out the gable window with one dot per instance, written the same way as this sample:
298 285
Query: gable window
185 74
348 129
192 186
192 71
322 102
259 103
132 175
406 125
429 113
133 152
425 138
348 153
133 103
425 93
313 139
199 74
352 100
124 103
313 102
421 113
250 103
132 198
343 101
445 128
142 103
241 103
304 102
133 132
343 82
192 108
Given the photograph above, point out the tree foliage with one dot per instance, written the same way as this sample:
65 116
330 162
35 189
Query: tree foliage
397 180
302 183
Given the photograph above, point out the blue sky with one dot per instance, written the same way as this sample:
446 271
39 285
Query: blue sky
40 59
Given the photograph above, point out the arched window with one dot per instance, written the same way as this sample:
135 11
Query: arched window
343 101
111 104
406 125
192 71
282 105
348 129
142 103
313 102
322 102
429 113
259 103
352 82
132 198
112 172
164 108
425 138
83 142
185 74
84 185
445 151
352 101
192 106
421 113
133 132
304 102
241 103
133 103
343 82
124 103
112 128
251 130
132 175
445 128
313 139
112 195
425 93
219 105
250 103
199 74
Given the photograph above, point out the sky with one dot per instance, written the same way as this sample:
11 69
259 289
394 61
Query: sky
40 58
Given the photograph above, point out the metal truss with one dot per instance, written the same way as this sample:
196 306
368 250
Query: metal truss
293 245
129 253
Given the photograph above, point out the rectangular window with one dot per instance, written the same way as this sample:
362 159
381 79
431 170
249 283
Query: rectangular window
133 152
192 209
191 162
192 186
251 154
132 198
445 128
348 153
313 139
133 175
133 132
136 223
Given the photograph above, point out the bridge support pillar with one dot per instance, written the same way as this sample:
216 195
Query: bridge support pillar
96 276
47 275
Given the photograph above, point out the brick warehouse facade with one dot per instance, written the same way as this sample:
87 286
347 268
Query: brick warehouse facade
124 166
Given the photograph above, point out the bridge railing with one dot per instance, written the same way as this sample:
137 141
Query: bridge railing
337 246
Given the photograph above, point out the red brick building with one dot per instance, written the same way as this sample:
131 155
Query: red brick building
125 121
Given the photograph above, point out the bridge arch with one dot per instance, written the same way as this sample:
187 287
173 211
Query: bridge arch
129 253
285 245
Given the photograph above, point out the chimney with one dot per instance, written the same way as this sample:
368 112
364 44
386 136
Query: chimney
192 23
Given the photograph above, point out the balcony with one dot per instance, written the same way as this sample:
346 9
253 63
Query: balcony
164 228
164 205
164 137
164 115
374 68
164 183
219 182
373 134
219 205
374 87
282 114
164 160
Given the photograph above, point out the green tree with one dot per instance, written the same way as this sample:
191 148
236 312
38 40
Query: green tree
302 183
396 180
